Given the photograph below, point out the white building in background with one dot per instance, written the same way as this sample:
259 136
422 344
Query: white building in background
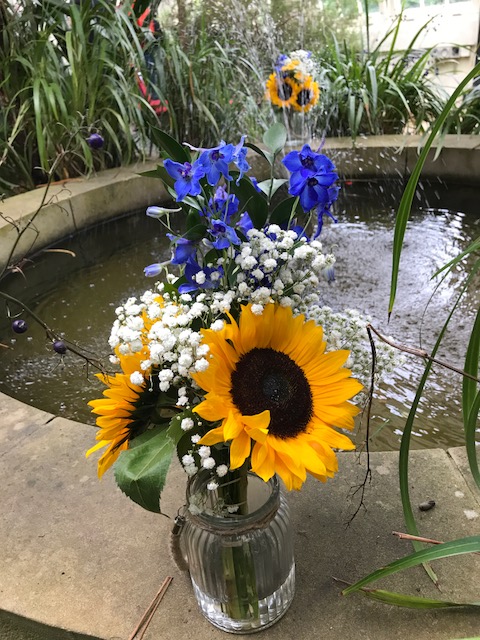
453 33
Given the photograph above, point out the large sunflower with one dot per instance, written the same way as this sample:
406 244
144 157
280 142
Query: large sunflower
272 385
281 90
123 412
306 96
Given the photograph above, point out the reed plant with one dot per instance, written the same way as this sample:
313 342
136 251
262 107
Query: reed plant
67 70
211 72
377 92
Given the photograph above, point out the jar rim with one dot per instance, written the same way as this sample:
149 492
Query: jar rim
258 518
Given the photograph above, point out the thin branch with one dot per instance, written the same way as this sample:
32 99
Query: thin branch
51 334
368 474
408 536
421 353
149 613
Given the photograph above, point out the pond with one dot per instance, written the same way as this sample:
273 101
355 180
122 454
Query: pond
78 295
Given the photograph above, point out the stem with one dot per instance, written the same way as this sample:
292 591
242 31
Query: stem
421 353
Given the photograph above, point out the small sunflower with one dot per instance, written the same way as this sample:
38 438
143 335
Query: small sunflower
272 385
281 90
122 412
306 96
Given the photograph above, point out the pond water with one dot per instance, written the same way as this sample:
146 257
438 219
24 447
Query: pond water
79 295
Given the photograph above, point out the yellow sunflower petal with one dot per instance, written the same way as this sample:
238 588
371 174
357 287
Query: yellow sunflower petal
239 450
263 461
214 436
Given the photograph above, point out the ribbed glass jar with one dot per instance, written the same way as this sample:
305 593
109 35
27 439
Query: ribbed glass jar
242 566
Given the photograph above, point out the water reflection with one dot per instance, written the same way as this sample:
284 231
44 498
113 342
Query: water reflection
79 296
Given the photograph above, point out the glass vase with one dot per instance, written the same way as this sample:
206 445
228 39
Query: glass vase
299 129
241 566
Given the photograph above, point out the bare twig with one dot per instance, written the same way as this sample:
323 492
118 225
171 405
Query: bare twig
141 627
421 353
368 474
408 536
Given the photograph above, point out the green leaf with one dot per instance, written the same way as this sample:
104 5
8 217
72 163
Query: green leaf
405 206
406 436
141 470
269 157
195 227
413 602
270 187
171 147
252 201
444 550
283 211
159 173
275 137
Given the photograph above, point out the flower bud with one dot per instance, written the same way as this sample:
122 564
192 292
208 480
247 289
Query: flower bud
95 141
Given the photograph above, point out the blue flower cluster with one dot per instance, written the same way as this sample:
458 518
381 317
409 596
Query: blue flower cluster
312 180
220 233
217 217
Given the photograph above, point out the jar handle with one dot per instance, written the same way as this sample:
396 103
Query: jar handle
175 545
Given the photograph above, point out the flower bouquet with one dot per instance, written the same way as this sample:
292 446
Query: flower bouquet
233 362
293 89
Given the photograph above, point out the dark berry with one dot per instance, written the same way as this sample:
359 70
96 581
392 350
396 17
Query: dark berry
60 347
19 326
95 141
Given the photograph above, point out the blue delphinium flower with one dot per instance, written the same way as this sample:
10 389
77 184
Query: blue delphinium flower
199 278
187 177
223 205
184 249
240 158
215 162
244 224
307 161
282 58
223 234
254 181
314 190
325 211
153 270
312 180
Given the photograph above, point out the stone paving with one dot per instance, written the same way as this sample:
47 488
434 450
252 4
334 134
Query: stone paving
80 560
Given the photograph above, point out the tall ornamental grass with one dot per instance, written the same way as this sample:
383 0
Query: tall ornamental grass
67 70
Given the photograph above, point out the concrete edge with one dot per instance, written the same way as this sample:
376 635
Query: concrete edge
78 203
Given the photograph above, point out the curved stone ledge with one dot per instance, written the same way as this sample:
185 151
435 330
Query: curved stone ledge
79 560
75 204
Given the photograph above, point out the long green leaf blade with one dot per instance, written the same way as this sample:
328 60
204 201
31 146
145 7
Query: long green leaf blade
412 602
462 546
405 206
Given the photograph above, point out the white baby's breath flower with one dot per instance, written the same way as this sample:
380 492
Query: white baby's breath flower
222 470
187 424
191 470
217 325
201 365
137 378
208 463
204 451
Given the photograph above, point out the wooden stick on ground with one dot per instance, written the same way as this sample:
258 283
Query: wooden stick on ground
149 613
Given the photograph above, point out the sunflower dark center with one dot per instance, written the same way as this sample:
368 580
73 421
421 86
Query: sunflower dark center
285 91
304 97
265 379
